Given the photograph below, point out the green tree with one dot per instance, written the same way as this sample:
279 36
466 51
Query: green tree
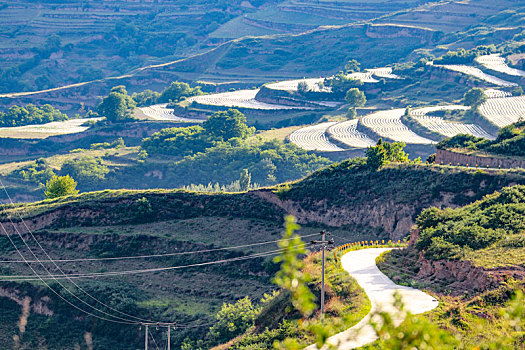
352 66
341 83
60 186
384 153
30 114
474 97
86 169
177 92
302 87
290 276
233 320
146 98
226 125
355 98
376 156
351 113
118 106
245 180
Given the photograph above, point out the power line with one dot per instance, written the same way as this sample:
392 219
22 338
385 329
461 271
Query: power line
121 320
159 269
157 255
54 291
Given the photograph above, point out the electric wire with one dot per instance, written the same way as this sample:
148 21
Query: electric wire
11 278
158 255
50 288
65 275
118 319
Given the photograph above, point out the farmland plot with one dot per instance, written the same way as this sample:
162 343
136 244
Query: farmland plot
160 112
40 131
445 127
365 77
313 138
493 93
240 99
314 83
385 72
388 124
346 132
503 111
477 73
291 85
497 63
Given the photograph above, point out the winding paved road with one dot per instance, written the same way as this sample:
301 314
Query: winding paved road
361 264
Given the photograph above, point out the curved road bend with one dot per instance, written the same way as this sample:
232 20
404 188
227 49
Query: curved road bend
361 264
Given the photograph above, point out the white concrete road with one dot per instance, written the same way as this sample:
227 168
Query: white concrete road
361 265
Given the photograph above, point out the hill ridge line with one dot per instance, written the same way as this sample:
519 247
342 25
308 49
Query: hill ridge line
229 42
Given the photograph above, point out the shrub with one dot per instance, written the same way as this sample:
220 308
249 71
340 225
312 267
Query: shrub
30 114
60 186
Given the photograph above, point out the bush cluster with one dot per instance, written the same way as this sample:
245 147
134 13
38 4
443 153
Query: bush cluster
510 141
498 217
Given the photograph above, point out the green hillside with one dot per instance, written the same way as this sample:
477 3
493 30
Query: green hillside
472 258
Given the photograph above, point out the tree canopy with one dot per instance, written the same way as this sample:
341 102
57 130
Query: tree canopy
474 97
118 106
355 97
30 114
60 186
226 125
341 83
384 153
177 91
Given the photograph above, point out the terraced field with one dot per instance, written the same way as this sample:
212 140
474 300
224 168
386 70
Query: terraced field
497 63
71 126
477 73
493 93
313 138
313 83
239 99
160 112
385 72
388 124
346 132
291 85
365 77
504 111
445 127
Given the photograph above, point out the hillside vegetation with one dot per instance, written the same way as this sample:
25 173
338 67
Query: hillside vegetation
510 142
473 259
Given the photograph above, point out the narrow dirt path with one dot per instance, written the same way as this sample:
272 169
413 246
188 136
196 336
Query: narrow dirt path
361 264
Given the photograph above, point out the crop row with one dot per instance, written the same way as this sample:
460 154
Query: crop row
493 93
160 112
314 83
385 72
477 73
445 127
291 85
347 133
240 99
313 138
504 111
70 126
497 63
388 124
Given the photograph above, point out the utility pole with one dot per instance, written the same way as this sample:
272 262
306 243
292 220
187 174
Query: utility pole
169 337
324 244
146 338
158 324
